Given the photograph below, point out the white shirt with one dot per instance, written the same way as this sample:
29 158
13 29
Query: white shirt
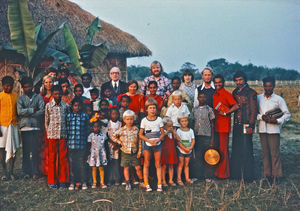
86 92
266 104
115 82
152 128
196 102
186 138
173 112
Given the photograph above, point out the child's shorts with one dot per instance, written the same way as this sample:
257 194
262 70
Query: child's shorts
129 160
180 154
153 148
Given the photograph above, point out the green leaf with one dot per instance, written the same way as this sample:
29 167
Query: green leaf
93 55
39 53
21 28
9 53
93 29
72 50
22 72
39 34
57 55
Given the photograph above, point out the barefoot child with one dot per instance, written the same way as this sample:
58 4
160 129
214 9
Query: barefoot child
168 155
97 158
152 133
127 137
9 138
185 147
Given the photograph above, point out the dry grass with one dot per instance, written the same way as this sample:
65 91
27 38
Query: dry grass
219 195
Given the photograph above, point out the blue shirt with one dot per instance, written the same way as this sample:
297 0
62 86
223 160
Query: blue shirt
77 130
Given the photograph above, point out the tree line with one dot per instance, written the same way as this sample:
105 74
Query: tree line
223 67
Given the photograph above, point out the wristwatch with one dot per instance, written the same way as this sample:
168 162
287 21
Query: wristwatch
225 114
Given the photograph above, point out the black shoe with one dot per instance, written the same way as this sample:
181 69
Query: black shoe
276 181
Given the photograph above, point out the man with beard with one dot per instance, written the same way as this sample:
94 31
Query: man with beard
207 87
269 129
241 163
163 83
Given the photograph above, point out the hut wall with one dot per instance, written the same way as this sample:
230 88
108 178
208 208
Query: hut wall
8 68
101 74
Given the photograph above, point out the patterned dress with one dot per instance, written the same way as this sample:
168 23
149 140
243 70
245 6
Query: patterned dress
98 154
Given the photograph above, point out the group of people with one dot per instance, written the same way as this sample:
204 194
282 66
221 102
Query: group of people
71 136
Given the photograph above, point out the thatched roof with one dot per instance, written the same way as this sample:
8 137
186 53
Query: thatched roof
52 13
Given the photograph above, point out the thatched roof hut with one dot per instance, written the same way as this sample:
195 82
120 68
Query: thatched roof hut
52 13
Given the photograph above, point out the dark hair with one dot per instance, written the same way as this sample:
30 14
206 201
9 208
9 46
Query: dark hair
125 96
78 86
103 100
152 82
133 82
94 91
219 76
51 70
239 74
77 100
64 80
176 78
57 88
187 72
86 74
269 79
8 80
26 80
200 92
113 109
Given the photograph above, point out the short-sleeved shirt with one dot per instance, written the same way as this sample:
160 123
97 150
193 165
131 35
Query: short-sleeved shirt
163 85
173 112
223 123
203 115
157 98
186 138
152 128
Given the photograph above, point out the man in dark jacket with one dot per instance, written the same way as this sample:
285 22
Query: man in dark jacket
115 84
241 165
30 108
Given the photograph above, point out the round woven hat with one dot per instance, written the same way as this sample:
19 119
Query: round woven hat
212 157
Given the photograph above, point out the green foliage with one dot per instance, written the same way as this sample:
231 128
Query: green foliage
72 50
21 28
93 55
253 72
93 28
7 52
137 72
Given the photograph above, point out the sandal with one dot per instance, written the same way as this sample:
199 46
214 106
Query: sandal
3 178
164 184
172 183
180 183
94 185
189 181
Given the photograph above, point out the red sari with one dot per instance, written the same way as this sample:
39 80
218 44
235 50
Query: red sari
43 165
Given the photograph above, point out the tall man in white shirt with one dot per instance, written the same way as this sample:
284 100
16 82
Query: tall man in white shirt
269 130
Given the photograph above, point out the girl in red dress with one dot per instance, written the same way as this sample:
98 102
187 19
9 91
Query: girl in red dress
152 87
169 155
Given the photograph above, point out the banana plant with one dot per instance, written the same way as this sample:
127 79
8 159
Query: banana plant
93 28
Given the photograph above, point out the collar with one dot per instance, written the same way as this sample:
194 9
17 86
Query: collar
53 103
268 97
220 91
240 90
212 85
115 82
176 106
160 77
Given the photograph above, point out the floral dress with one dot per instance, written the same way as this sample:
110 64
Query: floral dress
98 154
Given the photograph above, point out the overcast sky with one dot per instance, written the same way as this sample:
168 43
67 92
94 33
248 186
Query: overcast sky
176 31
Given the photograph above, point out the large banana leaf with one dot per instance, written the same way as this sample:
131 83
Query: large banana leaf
93 29
93 55
57 55
21 28
39 34
39 53
72 50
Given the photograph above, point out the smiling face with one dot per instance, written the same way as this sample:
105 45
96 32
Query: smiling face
78 92
7 88
175 84
183 122
207 76
96 127
107 93
151 110
187 79
269 88
114 75
114 115
152 89
86 81
48 83
132 88
76 107
156 70
56 95
124 103
219 84
240 82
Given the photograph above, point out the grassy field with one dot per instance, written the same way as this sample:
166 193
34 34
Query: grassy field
219 195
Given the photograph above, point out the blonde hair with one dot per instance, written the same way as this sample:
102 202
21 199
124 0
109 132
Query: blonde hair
177 93
155 63
128 113
150 102
43 89
207 68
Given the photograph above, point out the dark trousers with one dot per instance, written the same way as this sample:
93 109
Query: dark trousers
31 140
198 167
270 145
114 173
77 165
242 160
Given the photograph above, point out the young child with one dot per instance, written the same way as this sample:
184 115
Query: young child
127 137
204 128
152 87
124 103
103 104
55 123
108 96
94 93
78 91
152 133
77 132
185 147
97 158
177 107
67 95
168 154
31 110
86 79
9 136
114 162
